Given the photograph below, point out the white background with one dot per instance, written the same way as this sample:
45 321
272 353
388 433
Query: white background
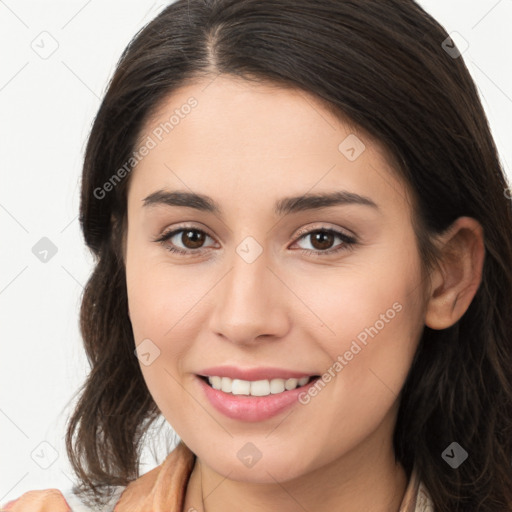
47 109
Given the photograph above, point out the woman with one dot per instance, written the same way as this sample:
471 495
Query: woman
303 243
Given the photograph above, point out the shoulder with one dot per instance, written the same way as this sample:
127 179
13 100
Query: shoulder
38 501
54 500
162 488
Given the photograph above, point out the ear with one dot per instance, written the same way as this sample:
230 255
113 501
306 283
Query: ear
455 281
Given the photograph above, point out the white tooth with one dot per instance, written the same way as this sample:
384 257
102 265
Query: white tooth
255 388
260 388
290 384
276 386
226 385
303 381
216 382
240 387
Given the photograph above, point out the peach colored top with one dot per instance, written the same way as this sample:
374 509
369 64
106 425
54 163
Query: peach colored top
163 490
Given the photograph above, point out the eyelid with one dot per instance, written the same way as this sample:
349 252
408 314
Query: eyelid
171 232
324 227
298 234
350 241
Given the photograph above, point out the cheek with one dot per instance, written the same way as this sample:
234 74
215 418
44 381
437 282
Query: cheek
163 303
161 328
374 316
377 330
158 296
166 307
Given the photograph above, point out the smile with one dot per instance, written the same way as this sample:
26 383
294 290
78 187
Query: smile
263 387
243 403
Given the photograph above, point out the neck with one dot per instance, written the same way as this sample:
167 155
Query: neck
367 479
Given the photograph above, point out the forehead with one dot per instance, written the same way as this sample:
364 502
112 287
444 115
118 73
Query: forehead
236 139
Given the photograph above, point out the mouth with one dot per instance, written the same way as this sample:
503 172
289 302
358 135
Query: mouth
254 401
257 388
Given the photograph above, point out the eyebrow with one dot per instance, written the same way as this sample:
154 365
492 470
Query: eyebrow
283 206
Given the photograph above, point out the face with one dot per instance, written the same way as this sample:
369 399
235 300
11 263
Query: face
330 288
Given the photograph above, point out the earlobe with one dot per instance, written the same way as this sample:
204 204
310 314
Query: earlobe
454 283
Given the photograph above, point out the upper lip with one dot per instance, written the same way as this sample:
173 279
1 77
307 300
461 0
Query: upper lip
252 374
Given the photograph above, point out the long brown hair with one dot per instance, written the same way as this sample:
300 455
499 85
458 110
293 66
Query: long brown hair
382 65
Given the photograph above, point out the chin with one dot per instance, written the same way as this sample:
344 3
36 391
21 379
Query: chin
266 470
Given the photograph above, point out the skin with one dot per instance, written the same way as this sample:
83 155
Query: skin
246 146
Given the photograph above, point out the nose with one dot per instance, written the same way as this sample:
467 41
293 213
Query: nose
251 302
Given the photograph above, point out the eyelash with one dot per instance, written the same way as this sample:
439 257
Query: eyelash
348 241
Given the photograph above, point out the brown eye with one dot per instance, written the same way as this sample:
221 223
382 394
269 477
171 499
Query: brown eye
192 238
321 240
185 240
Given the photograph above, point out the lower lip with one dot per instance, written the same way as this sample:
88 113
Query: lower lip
252 408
